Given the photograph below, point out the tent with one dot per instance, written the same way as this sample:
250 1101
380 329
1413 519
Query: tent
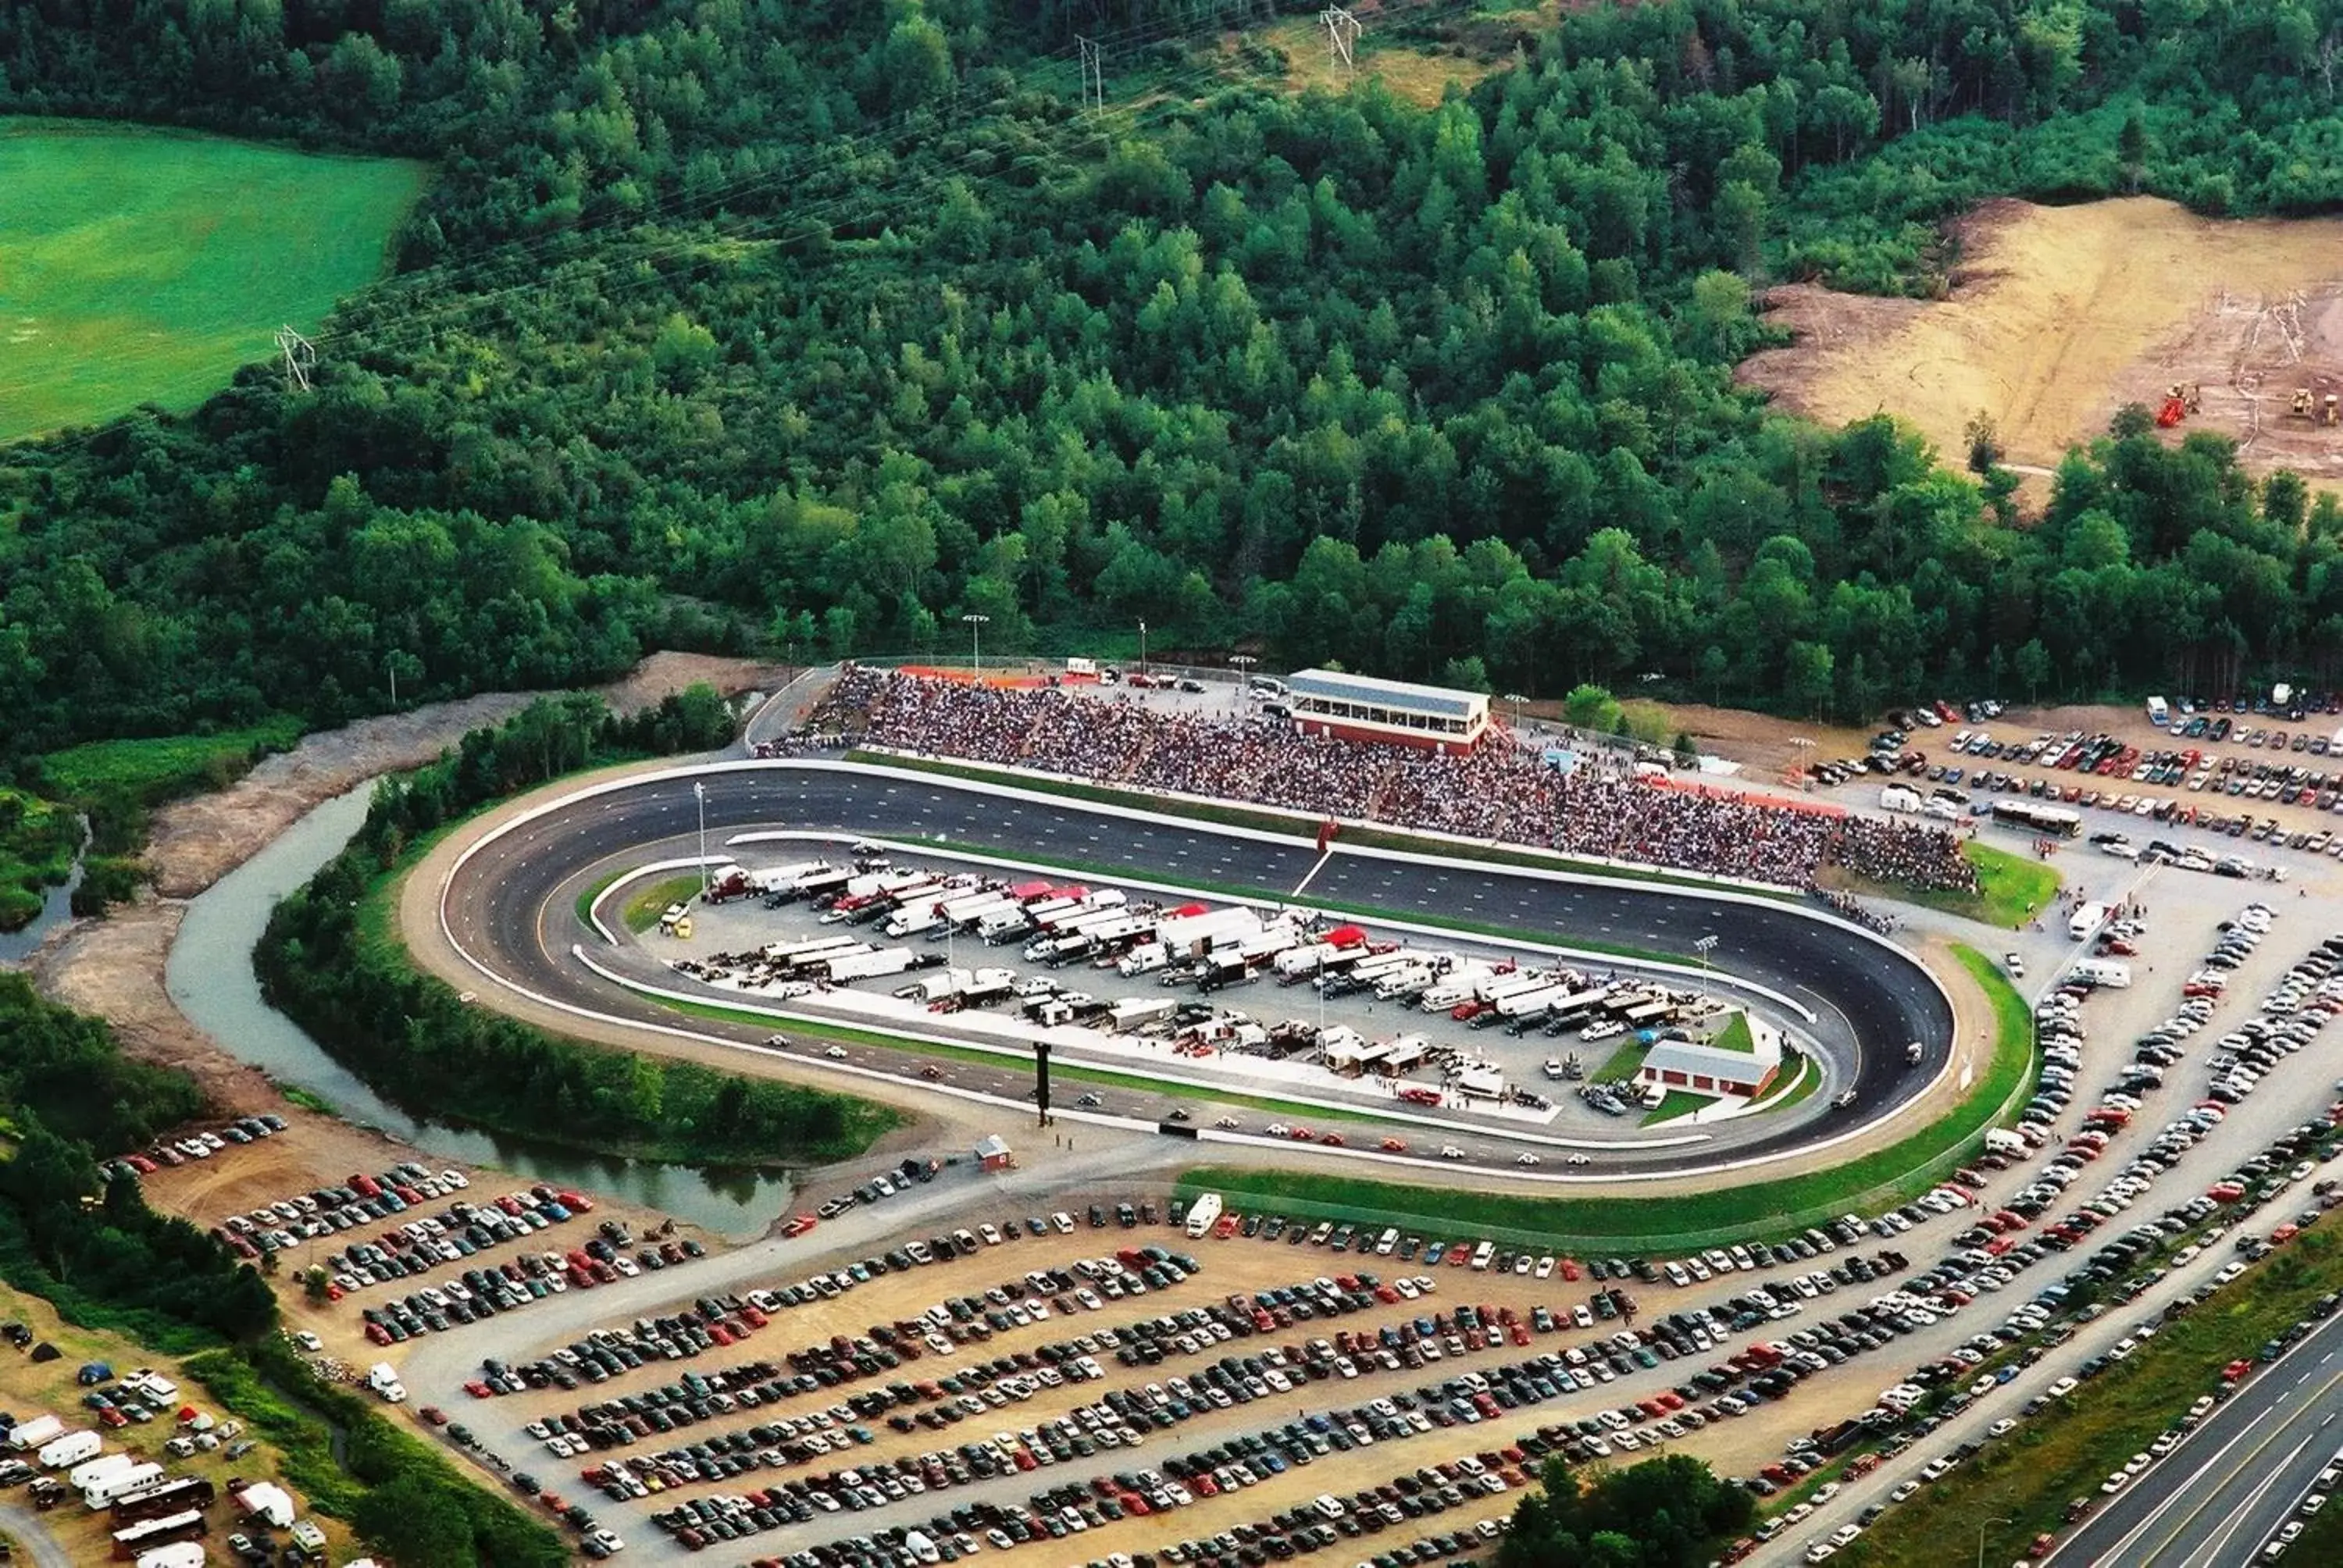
46 1352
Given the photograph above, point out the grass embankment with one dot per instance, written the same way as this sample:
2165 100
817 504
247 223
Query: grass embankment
2064 1453
2012 889
145 265
1793 1064
1750 1211
405 1494
1293 827
1735 1036
117 783
37 841
646 905
1677 1102
1623 1065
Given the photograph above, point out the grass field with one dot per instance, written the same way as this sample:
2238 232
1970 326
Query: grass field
38 841
141 265
154 771
645 905
2011 889
1747 1211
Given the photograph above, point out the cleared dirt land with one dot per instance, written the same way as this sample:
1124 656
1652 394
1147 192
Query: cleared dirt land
2057 316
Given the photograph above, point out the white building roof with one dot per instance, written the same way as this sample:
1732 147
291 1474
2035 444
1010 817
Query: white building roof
1337 687
1712 1061
991 1144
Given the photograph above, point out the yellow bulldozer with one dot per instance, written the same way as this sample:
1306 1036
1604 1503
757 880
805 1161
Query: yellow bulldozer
2308 404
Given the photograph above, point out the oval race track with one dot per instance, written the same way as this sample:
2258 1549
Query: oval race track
508 904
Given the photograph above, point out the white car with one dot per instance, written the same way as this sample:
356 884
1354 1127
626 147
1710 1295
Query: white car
2014 965
1579 1159
1526 1159
836 1053
1450 1151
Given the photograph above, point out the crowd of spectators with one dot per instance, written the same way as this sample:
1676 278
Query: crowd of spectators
1499 791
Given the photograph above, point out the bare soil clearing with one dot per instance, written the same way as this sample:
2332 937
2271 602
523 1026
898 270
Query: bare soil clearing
2057 316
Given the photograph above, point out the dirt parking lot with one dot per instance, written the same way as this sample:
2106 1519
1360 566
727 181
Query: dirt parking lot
30 1388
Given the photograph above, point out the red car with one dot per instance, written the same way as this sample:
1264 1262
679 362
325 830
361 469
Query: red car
800 1225
434 1415
1394 1145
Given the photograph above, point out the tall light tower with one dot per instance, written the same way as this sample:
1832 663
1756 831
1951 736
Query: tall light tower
699 797
1515 701
1242 663
1143 647
1702 947
976 624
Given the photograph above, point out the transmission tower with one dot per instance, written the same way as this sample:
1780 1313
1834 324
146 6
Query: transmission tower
1093 74
300 357
1343 32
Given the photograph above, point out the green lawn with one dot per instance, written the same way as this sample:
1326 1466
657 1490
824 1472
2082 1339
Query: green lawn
644 906
1622 1065
143 265
1678 1102
1735 1036
2011 889
1745 1211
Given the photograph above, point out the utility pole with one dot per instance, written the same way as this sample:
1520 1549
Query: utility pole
699 794
976 624
1343 32
1093 74
1143 647
300 357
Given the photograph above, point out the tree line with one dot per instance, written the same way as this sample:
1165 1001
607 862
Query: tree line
818 328
416 1043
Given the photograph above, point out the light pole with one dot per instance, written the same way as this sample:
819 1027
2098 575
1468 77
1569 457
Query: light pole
699 797
1241 663
1981 1530
390 662
1702 947
975 649
1515 699
1143 647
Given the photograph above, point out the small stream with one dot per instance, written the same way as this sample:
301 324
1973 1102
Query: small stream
56 908
210 979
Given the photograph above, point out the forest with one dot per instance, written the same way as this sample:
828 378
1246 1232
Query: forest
421 1045
812 327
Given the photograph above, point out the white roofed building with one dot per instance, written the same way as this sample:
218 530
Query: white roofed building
1711 1069
1396 712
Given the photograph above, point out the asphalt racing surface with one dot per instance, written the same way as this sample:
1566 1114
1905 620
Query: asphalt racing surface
511 910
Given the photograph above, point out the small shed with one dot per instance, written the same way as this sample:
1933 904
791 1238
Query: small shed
993 1154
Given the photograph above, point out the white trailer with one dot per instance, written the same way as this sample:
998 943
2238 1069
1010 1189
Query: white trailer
1398 981
1006 924
1132 1012
1406 1051
2087 921
1530 1004
911 923
1191 936
873 965
1299 963
35 1433
2101 973
89 1473
1049 908
1497 988
784 878
967 914
63 1453
1122 930
102 1492
819 963
936 986
1203 1214
1100 902
786 953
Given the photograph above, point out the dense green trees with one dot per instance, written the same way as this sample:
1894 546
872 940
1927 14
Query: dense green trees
1667 1512
419 1045
823 325
90 1245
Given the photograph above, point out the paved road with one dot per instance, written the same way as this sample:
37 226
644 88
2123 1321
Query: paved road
2218 1497
510 905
